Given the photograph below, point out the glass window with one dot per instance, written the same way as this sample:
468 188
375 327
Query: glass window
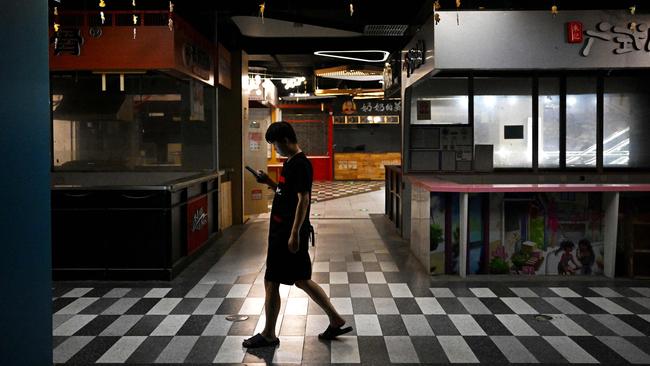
549 123
440 101
626 116
156 122
503 118
581 122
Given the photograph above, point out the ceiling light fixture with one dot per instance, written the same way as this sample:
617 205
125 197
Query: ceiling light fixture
335 54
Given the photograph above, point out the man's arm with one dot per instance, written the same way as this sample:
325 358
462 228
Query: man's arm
301 212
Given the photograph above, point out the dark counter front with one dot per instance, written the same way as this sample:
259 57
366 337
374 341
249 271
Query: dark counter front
132 232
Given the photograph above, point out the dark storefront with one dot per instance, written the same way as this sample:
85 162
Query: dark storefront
135 183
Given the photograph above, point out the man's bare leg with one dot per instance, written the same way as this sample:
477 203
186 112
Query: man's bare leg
271 308
319 296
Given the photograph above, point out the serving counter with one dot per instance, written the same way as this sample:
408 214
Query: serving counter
131 226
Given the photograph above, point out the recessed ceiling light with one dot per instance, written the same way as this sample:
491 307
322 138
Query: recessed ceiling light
382 55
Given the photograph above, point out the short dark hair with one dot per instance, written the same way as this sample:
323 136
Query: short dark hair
278 131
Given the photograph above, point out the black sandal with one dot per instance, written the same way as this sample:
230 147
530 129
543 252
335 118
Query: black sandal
258 340
331 333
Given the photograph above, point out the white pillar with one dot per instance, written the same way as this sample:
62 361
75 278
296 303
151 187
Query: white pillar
610 229
464 215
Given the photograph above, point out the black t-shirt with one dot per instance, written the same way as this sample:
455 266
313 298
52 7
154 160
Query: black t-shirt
296 177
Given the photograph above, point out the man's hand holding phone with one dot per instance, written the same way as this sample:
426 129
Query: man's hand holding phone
262 177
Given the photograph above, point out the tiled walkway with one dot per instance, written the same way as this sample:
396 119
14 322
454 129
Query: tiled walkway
400 314
328 190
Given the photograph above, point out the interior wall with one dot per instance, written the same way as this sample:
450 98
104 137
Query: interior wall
26 262
255 153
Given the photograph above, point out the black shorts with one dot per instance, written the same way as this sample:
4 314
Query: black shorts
285 267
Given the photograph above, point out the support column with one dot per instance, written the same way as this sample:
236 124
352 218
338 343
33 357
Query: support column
25 137
464 215
610 229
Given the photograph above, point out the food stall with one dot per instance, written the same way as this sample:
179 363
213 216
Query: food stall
135 180
524 143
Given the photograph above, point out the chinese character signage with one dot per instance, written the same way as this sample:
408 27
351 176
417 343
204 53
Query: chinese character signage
618 39
574 32
68 41
368 107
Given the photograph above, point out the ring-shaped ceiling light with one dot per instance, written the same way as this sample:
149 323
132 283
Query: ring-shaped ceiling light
335 54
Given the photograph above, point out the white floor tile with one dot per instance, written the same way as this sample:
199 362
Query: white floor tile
466 325
77 292
360 290
295 306
568 326
239 290
121 350
571 351
252 306
514 351
564 306
474 305
516 325
442 292
78 305
208 306
170 325
73 324
343 305
375 277
417 325
290 350
482 292
338 278
164 306
400 290
157 293
367 325
400 349
316 324
564 292
429 305
605 291
385 305
523 292
231 350
518 305
457 350
345 350
64 351
627 350
608 305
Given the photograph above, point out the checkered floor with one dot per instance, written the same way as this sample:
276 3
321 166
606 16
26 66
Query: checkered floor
393 323
328 190
399 313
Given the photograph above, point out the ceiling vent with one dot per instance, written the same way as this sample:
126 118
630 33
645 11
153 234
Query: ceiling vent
385 30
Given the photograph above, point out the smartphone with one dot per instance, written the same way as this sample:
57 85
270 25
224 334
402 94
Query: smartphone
253 171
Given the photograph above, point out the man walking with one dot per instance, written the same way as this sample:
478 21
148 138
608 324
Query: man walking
287 259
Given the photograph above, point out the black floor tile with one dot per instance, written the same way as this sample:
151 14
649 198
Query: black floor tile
485 350
205 350
392 325
194 325
372 350
149 350
441 325
97 325
93 350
